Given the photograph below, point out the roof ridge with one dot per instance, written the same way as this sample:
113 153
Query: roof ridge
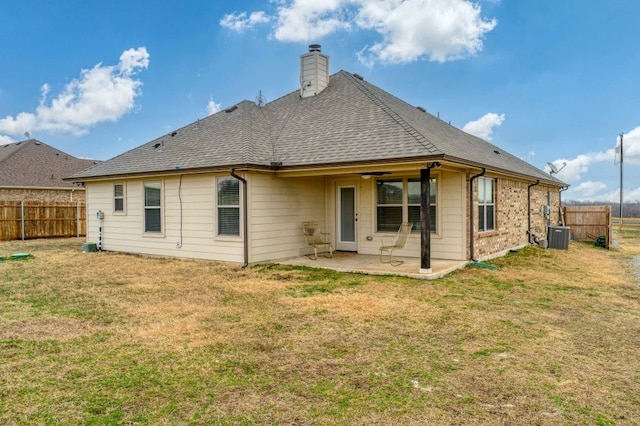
428 145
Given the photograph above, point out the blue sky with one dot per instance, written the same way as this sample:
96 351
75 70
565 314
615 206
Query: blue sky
549 81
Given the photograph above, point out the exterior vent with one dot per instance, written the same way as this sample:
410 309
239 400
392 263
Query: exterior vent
314 72
558 237
421 109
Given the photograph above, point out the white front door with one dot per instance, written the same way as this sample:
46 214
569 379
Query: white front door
347 217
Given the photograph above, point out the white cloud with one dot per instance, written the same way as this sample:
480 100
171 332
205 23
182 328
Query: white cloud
580 166
631 145
306 20
102 93
240 21
483 127
574 169
588 189
632 196
4 140
409 30
212 107
440 30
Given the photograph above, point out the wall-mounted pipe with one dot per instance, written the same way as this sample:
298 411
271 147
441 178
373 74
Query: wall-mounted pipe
564 188
529 208
245 222
471 209
179 243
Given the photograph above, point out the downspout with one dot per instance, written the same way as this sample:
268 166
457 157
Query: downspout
245 226
564 188
529 208
471 209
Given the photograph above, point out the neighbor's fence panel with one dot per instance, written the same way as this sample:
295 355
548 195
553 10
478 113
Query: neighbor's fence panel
587 223
626 221
34 219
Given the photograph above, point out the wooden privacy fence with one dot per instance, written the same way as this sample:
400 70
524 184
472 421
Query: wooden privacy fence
587 223
38 219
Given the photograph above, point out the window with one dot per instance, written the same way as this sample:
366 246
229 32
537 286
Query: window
228 207
398 200
486 204
152 207
118 198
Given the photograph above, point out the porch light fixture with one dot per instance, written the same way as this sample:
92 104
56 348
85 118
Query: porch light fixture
367 175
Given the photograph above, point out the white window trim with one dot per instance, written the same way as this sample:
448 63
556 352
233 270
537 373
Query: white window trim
494 188
405 203
227 237
160 234
122 212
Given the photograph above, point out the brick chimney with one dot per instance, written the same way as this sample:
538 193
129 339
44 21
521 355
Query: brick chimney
314 71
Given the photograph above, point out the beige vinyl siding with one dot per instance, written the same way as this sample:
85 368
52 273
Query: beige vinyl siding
452 244
449 240
278 208
125 233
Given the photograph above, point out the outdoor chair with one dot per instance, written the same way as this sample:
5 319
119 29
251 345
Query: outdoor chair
316 239
398 243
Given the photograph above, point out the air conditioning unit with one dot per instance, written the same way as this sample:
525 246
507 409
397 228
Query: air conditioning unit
558 237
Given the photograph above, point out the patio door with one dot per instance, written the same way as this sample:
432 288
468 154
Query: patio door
347 217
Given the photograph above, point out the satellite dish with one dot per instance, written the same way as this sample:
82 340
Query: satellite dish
554 169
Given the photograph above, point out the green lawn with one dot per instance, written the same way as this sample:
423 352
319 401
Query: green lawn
551 337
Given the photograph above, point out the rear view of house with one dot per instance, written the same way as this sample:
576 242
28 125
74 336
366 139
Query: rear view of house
237 185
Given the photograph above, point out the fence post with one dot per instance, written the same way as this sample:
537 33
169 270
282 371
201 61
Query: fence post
22 218
77 219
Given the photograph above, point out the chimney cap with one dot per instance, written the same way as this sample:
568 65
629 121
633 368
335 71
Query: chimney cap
315 48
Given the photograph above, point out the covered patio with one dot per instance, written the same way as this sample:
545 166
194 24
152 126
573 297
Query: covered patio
370 264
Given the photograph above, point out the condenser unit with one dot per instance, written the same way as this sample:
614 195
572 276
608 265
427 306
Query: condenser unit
558 237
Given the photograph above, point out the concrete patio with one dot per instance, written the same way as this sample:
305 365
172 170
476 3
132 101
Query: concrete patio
370 264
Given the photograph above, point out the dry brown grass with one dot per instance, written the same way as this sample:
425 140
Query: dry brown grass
551 337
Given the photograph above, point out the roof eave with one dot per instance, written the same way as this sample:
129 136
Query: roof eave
172 172
524 176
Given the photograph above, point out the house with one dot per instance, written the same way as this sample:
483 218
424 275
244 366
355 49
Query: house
33 171
237 185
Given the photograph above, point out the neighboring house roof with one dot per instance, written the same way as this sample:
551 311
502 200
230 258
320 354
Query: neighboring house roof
350 122
32 163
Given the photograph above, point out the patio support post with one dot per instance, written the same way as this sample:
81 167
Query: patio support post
425 218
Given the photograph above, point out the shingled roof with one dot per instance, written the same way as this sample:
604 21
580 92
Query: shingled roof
351 122
32 163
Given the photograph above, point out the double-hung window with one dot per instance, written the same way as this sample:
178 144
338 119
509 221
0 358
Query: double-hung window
398 200
486 204
118 197
228 207
153 207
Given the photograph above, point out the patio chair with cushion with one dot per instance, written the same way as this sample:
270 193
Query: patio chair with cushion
316 239
399 241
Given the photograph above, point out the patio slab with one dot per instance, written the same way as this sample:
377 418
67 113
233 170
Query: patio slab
370 264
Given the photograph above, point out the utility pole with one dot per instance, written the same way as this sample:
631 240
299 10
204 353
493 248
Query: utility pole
621 181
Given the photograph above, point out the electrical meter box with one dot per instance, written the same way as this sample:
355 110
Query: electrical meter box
100 214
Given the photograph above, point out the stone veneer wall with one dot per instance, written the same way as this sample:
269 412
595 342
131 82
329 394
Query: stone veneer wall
53 195
511 216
